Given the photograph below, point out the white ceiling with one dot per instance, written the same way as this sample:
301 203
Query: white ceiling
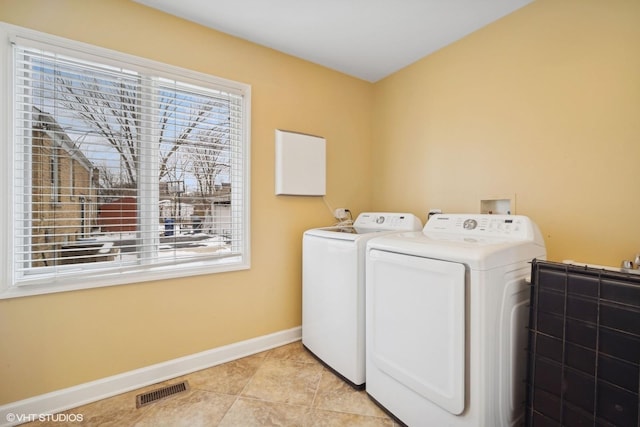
368 39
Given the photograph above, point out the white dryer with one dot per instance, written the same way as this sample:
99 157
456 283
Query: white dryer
333 282
446 320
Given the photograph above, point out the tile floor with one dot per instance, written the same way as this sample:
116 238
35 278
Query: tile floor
284 386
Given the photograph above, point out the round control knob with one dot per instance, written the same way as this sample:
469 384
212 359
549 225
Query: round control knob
379 220
470 224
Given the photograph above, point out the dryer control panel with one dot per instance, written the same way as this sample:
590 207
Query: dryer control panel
515 227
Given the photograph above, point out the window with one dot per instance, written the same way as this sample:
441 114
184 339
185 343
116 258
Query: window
122 169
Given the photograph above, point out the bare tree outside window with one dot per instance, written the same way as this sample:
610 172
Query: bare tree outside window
185 126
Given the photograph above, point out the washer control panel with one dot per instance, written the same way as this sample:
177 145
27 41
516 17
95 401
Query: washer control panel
387 221
516 226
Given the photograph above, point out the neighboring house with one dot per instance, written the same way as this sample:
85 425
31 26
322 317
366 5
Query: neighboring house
218 214
64 195
180 211
120 215
209 213
212 214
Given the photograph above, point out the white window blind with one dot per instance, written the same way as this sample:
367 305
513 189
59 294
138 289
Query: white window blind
124 166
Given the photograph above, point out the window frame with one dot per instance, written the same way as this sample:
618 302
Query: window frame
9 287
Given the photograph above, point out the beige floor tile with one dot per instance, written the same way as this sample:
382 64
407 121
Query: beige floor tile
193 408
257 413
294 352
322 418
228 378
116 411
285 386
285 381
336 395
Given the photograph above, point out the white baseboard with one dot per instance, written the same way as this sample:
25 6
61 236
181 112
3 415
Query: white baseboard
61 400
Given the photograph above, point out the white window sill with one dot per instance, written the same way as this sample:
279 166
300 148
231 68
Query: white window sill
126 277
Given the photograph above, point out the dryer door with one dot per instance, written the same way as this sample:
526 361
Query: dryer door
416 324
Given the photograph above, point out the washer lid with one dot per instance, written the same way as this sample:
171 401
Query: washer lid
337 232
370 223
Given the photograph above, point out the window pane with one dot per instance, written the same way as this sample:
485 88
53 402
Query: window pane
83 129
118 169
194 171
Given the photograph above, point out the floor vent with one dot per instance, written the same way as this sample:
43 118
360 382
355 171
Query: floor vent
160 393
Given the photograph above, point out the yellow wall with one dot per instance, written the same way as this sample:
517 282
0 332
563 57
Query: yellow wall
543 104
55 341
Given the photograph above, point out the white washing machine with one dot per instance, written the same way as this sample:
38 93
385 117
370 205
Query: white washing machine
446 320
333 282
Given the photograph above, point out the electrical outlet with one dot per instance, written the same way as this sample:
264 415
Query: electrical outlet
341 213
